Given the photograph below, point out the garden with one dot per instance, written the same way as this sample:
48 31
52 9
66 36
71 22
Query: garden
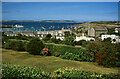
30 57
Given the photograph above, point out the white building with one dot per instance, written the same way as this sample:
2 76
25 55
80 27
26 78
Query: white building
27 33
10 33
78 38
117 29
114 38
58 33
60 36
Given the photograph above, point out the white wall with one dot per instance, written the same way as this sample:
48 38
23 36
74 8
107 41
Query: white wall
110 36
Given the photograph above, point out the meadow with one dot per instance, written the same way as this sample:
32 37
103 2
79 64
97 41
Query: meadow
50 63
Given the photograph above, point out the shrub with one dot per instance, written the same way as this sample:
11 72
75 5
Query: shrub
82 43
71 73
54 40
14 44
7 45
69 40
83 56
19 46
104 53
61 49
71 56
108 55
34 46
45 52
107 40
23 72
48 36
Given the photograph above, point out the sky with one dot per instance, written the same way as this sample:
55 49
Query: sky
78 11
60 0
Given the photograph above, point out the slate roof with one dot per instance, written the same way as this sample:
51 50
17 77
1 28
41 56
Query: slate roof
100 29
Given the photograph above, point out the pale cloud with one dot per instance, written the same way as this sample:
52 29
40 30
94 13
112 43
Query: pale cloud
60 0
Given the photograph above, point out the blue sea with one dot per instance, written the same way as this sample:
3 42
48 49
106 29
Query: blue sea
39 26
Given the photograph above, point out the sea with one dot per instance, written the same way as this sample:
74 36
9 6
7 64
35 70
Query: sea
39 26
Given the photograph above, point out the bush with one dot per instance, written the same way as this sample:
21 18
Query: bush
61 49
54 40
14 44
83 56
108 55
34 46
69 40
105 53
71 73
45 51
71 56
23 72
82 43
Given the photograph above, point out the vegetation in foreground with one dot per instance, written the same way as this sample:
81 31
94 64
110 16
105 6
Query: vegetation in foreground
28 72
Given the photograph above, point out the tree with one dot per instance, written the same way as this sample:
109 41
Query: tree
67 33
48 36
107 40
73 35
34 46
69 40
111 30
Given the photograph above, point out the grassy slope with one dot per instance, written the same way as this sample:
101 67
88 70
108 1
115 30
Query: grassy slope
49 63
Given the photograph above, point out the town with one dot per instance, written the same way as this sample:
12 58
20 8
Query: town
87 32
66 39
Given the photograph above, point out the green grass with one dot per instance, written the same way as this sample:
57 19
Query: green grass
50 63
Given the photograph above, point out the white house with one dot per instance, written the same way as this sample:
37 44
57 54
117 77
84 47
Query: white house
114 38
27 33
117 29
78 38
60 36
10 33
58 33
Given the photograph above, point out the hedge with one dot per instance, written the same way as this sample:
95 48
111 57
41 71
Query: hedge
14 44
61 49
23 72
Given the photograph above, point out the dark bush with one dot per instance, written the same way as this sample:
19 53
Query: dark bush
19 46
54 40
34 46
82 43
105 53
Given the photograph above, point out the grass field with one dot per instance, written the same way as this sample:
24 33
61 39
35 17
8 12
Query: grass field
50 63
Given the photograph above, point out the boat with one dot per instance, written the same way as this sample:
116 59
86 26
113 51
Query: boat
18 26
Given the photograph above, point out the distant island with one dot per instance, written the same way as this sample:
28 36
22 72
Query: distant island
45 21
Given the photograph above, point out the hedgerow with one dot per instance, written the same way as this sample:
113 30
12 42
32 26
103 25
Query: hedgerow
61 49
23 72
14 44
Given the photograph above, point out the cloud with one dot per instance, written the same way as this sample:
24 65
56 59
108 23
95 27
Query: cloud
60 0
